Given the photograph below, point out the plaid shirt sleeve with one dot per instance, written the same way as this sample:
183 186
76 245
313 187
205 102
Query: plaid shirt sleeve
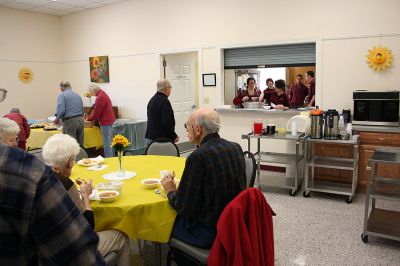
37 217
190 190
62 234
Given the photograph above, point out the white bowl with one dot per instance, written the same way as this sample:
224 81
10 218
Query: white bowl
150 182
108 195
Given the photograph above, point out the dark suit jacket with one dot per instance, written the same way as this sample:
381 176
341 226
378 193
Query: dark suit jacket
160 118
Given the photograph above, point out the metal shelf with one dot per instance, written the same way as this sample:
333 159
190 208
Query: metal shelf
286 136
384 223
277 158
333 141
331 187
348 164
381 222
330 162
277 181
386 189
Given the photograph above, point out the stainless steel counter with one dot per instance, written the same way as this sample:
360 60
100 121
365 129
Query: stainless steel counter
377 129
258 111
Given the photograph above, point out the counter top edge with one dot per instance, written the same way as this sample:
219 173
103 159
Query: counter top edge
242 110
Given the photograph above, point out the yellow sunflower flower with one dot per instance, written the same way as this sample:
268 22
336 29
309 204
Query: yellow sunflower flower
119 142
95 62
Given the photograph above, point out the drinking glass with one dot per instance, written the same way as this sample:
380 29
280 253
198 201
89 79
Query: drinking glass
257 126
281 126
271 126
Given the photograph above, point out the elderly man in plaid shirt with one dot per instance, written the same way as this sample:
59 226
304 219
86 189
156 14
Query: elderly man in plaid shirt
38 220
214 174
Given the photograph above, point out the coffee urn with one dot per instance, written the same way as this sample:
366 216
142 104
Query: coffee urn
317 121
331 129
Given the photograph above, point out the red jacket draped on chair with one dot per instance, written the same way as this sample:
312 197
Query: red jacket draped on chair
245 232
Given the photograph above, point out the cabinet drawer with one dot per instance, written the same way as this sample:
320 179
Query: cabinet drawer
378 139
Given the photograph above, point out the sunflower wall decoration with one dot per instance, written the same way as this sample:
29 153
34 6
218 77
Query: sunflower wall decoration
99 71
25 75
379 58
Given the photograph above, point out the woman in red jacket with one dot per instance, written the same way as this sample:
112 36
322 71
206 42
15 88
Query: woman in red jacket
24 129
103 112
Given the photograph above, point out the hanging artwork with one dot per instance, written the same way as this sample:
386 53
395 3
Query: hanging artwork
99 70
379 58
25 75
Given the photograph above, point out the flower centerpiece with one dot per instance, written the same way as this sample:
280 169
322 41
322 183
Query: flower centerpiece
88 95
119 143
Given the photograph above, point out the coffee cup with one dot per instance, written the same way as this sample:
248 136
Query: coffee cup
270 129
164 173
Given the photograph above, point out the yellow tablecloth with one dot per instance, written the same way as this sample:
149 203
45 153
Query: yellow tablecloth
38 137
139 212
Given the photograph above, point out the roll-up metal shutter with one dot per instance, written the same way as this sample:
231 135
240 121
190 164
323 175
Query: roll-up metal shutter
301 54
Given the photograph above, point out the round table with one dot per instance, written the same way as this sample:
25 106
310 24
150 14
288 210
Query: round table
139 212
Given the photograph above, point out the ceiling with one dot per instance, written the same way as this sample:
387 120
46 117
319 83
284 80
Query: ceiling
57 7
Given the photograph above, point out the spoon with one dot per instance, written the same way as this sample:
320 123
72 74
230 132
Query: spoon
157 191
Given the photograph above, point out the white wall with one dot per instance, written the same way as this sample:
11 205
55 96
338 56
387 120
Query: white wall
134 33
30 40
345 69
153 27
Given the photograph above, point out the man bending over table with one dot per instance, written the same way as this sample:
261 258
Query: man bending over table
214 174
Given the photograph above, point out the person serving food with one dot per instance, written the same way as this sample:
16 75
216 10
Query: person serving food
252 93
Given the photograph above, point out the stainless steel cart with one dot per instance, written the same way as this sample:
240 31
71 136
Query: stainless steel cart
279 159
382 222
312 161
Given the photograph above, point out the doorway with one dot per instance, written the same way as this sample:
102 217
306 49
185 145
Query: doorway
181 69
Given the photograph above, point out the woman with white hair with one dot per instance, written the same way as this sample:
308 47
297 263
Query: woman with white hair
24 129
59 152
9 131
103 112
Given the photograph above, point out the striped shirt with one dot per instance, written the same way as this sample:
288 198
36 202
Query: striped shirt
214 174
37 217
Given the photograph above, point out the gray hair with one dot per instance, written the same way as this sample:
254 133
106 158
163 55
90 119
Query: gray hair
59 149
3 94
8 128
93 88
163 84
65 85
15 110
209 124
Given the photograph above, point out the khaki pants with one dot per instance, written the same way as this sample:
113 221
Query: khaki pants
114 240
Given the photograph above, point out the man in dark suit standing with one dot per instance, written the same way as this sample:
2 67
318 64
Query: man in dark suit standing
160 115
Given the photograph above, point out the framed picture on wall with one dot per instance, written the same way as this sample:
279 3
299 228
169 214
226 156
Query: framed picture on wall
209 79
99 69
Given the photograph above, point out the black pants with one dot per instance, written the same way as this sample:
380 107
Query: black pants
192 233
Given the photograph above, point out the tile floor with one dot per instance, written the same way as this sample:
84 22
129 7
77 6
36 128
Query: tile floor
320 230
325 230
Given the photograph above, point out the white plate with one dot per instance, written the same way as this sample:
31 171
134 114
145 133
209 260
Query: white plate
93 161
114 176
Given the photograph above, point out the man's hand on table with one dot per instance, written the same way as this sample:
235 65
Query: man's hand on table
168 183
